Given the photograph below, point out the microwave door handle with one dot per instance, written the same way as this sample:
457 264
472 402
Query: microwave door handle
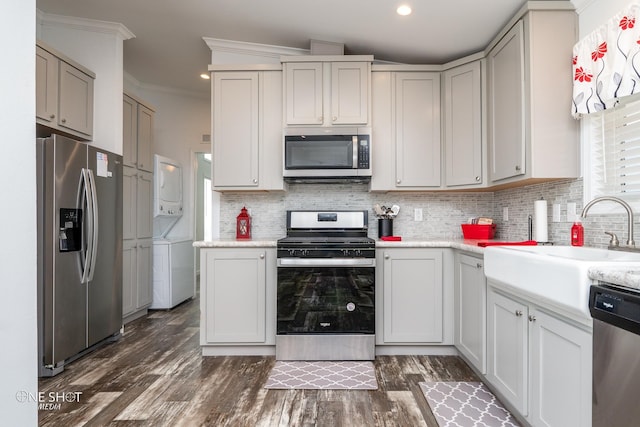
354 140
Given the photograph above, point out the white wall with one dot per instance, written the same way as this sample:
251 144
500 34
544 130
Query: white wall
181 119
18 251
98 46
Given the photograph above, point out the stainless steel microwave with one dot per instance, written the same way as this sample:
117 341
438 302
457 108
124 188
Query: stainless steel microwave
327 152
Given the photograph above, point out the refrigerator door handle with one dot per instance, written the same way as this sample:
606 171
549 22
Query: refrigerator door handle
94 224
86 253
90 249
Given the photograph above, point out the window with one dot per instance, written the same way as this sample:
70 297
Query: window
612 163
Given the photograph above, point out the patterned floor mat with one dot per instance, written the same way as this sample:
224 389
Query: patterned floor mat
323 375
468 404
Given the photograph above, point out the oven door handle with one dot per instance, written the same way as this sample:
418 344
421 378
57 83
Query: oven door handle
326 262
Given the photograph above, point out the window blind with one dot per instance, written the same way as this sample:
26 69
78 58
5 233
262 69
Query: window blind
615 151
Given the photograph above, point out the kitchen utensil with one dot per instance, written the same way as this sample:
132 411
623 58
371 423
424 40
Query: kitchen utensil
378 210
394 210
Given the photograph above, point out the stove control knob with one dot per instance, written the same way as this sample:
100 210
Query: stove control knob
351 306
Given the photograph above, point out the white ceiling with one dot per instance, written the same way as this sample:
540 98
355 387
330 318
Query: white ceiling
168 49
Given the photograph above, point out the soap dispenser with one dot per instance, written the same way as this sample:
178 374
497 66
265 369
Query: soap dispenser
577 234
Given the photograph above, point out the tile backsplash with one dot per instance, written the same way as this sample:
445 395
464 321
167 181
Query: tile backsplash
442 212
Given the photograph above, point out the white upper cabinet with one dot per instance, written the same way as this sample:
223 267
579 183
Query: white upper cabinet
405 130
247 139
327 92
137 134
64 94
463 126
531 134
304 93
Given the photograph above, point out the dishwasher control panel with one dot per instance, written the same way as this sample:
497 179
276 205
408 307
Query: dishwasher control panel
616 306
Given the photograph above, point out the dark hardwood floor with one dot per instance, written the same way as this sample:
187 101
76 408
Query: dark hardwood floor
155 376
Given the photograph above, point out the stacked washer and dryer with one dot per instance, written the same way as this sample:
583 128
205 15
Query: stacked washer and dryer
173 257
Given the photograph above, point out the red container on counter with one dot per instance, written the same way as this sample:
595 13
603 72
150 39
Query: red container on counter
478 231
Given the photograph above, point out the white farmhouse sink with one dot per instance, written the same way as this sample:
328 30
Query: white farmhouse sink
557 275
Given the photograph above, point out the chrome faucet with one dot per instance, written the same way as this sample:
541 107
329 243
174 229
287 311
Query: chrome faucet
630 242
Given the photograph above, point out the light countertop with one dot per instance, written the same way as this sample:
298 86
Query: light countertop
621 276
465 245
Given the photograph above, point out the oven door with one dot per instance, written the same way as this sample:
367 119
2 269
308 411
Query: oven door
326 296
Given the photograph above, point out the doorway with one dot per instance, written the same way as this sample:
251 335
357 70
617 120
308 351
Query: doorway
204 199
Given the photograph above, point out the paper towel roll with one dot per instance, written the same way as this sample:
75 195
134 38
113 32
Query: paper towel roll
540 233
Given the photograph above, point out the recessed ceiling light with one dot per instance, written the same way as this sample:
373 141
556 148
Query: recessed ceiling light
205 76
403 10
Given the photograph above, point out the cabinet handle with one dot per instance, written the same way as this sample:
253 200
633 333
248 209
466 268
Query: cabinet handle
255 181
532 318
386 257
398 181
478 265
261 256
477 179
64 120
335 118
518 313
319 119
53 116
517 168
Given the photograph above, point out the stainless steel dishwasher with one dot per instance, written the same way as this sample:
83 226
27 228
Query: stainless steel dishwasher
616 355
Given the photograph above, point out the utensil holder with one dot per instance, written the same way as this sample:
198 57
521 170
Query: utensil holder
385 227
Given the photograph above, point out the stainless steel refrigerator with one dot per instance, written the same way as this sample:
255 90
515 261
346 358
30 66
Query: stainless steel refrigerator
79 249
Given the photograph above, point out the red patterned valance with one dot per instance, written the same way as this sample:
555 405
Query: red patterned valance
606 63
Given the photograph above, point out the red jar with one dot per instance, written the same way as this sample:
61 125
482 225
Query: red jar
577 234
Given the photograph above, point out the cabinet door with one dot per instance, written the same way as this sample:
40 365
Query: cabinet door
234 296
144 273
506 106
76 100
463 125
412 296
382 129
470 310
303 89
271 139
349 93
235 129
507 338
130 200
417 129
144 203
46 86
129 132
129 277
560 372
145 138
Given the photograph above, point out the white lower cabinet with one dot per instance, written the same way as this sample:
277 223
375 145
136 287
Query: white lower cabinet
538 361
410 295
237 295
470 308
137 292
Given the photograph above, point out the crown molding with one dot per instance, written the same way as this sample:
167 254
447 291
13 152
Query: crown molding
252 49
85 24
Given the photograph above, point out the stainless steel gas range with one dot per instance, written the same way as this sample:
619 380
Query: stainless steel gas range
326 287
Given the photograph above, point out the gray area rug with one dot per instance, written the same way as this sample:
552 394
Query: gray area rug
323 375
458 404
